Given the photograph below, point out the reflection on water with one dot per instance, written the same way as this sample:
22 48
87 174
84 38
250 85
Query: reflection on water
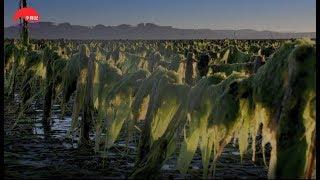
59 127
17 98
230 158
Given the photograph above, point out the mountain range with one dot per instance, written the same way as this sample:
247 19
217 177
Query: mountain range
50 30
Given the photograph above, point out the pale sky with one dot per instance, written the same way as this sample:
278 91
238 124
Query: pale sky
275 15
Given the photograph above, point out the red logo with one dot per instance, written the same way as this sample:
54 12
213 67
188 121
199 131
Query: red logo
29 14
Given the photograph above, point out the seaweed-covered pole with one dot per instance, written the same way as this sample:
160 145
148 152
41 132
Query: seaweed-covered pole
175 62
215 114
118 99
80 69
153 61
163 148
50 58
258 62
203 64
106 76
162 88
284 97
310 166
188 69
49 88
142 97
88 102
71 74
24 34
297 119
26 89
30 63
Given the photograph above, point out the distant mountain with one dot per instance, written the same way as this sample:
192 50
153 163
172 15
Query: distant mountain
49 30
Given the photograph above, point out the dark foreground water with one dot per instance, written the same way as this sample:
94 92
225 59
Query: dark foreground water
29 153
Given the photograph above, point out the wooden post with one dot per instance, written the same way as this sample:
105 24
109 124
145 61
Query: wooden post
27 88
144 144
25 33
48 93
152 161
88 103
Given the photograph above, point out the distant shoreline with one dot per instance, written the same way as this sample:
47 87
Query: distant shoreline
148 31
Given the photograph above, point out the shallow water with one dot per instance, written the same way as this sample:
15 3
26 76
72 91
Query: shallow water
40 152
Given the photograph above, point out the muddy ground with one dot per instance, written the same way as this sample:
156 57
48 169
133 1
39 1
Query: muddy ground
29 154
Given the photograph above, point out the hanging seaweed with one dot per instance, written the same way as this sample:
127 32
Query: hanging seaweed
118 104
71 73
208 124
166 95
106 76
237 106
163 147
48 58
11 55
254 89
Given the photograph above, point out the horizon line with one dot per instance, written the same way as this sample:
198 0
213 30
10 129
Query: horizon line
226 29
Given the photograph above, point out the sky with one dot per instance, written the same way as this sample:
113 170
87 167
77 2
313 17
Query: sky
274 15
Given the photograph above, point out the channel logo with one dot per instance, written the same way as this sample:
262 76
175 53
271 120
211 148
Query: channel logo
29 14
